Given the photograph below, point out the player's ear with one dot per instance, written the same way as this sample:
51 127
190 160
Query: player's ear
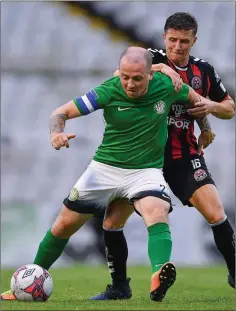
164 36
151 74
116 72
194 41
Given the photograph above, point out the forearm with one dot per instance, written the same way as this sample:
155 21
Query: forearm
61 114
193 97
204 124
57 122
223 110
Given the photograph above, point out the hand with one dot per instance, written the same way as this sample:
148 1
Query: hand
61 140
176 81
175 77
201 108
116 72
204 140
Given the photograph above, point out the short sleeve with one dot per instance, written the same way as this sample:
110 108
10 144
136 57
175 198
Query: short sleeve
95 99
217 91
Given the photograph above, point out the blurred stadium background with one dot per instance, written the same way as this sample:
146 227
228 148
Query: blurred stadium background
52 52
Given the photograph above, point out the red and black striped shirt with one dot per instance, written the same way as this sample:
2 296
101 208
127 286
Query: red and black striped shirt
203 78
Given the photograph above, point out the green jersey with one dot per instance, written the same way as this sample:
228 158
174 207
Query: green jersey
136 129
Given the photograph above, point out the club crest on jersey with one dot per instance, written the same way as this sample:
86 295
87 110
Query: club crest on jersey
159 107
74 195
196 83
200 175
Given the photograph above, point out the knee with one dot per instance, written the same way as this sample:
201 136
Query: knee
110 223
117 214
61 227
215 215
155 211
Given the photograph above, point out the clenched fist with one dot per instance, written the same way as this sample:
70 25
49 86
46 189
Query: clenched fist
59 140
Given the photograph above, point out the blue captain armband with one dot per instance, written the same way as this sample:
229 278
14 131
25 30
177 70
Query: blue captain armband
87 103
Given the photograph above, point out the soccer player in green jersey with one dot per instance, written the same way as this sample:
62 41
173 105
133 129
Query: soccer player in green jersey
128 163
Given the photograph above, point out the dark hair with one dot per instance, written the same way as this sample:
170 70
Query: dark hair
181 21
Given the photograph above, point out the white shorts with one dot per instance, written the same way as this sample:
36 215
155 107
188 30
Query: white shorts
101 184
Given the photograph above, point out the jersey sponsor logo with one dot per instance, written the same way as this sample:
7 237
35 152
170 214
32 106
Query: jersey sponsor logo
184 124
123 109
196 83
200 174
178 109
74 195
159 107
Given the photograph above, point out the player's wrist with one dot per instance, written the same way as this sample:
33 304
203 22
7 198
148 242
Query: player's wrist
213 106
203 130
54 134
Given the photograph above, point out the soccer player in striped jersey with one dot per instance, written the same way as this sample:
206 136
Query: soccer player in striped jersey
185 169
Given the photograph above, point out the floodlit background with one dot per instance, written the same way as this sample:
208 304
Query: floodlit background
53 52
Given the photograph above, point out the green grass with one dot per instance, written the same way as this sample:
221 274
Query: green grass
194 289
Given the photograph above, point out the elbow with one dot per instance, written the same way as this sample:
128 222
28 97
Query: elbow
54 113
230 115
59 111
226 111
231 112
225 116
231 109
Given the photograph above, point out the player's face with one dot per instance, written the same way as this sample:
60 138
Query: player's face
134 78
178 45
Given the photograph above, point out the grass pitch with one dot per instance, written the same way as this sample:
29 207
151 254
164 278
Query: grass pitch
195 289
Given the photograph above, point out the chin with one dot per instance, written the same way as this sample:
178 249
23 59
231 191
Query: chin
132 95
178 58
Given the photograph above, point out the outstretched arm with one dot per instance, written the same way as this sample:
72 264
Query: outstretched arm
57 124
219 104
166 70
223 110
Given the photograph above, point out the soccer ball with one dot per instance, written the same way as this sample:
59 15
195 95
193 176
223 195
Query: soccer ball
31 283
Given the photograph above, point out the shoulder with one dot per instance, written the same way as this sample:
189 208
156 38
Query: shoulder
158 55
112 82
110 85
201 63
161 81
161 77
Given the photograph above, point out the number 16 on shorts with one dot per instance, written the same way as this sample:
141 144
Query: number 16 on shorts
196 163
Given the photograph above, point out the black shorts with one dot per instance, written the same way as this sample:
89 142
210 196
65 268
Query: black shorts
185 176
